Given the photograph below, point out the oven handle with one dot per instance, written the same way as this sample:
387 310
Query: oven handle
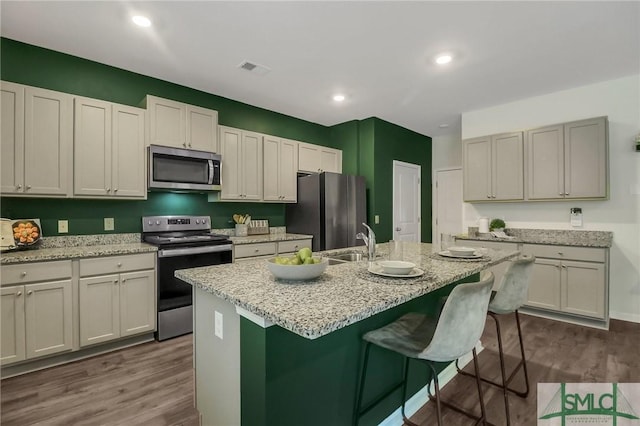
194 250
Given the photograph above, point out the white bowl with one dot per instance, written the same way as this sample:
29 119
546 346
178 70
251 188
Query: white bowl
396 267
462 251
298 272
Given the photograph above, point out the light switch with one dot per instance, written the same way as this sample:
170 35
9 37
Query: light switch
109 224
63 226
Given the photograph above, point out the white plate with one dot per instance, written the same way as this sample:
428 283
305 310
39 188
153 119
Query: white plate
447 254
415 272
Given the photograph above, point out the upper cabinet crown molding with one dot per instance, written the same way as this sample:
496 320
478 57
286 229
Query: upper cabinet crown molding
37 132
172 123
563 161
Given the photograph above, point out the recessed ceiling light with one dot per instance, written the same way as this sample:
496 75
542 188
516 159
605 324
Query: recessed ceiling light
444 58
338 98
141 21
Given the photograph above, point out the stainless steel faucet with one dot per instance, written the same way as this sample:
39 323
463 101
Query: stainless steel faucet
369 241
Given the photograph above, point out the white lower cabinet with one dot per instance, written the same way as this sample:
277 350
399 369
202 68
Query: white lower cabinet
37 310
117 297
268 249
569 280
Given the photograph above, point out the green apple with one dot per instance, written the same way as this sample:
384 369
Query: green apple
309 261
304 253
295 261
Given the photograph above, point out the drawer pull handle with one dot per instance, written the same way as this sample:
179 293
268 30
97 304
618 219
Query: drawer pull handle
18 294
30 292
24 273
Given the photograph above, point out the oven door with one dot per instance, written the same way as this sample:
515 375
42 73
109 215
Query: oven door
174 293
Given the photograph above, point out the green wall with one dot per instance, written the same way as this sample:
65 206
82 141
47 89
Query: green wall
368 147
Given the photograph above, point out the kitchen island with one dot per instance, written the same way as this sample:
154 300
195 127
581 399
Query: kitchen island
268 352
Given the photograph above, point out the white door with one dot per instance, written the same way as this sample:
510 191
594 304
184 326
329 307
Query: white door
447 201
406 201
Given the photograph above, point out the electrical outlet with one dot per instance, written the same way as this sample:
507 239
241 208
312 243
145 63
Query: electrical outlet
376 219
218 324
63 226
108 224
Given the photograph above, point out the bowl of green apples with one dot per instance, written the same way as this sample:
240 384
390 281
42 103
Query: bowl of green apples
298 267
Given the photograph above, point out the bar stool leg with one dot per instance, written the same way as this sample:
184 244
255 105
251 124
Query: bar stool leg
359 392
502 368
478 382
524 362
437 386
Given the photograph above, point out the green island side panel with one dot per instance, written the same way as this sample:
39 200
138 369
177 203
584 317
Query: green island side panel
287 380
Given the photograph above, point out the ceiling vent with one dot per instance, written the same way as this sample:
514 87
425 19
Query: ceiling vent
254 68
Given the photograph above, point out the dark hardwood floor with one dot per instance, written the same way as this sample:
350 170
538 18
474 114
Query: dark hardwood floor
152 384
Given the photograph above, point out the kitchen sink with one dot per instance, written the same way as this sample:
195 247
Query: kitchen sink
348 257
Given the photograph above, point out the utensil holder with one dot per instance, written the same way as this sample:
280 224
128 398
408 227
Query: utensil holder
241 230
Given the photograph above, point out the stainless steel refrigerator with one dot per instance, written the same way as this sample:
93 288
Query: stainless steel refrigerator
331 207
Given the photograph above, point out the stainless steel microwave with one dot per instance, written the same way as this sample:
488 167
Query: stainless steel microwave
183 169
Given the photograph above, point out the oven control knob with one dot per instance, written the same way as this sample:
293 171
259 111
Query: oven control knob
204 220
150 222
157 222
198 221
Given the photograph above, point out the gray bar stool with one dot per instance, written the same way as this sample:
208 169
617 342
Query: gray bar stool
509 297
453 334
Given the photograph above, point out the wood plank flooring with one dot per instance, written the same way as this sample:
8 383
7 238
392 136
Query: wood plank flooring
152 384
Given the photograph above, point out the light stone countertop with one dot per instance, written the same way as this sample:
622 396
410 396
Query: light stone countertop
562 237
343 295
266 238
77 247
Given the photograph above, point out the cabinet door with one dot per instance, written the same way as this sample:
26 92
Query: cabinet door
585 159
12 138
251 166
128 159
202 129
288 173
308 158
507 177
476 169
48 318
583 290
544 288
48 142
230 148
13 334
99 309
271 163
330 160
137 303
92 147
167 122
545 164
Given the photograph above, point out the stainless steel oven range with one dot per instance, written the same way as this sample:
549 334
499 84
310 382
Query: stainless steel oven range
183 242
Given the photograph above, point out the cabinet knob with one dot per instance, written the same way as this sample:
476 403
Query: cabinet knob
29 293
398 229
108 189
115 281
24 273
18 294
189 145
115 190
488 196
124 280
256 250
493 196
563 266
566 193
119 264
560 193
28 186
19 187
184 144
561 253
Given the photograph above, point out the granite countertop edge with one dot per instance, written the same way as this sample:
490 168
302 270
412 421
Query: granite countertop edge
69 253
594 239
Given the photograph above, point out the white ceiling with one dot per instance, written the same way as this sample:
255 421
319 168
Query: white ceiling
379 54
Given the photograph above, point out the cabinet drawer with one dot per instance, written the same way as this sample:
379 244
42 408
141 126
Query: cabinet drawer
250 250
587 254
496 245
116 264
33 272
292 246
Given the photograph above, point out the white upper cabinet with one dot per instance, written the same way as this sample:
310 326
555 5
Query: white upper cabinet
493 168
37 131
180 125
317 159
280 169
568 160
109 150
241 164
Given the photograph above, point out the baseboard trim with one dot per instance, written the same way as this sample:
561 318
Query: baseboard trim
421 397
623 316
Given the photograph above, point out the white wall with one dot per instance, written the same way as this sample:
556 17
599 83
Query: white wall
618 99
446 151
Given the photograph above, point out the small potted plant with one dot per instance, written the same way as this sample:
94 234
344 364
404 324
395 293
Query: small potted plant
497 225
